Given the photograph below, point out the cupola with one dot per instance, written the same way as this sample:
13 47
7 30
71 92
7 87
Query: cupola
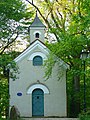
37 30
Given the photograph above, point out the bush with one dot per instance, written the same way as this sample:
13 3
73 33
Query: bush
85 115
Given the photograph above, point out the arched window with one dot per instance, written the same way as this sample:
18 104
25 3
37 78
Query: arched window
37 35
37 61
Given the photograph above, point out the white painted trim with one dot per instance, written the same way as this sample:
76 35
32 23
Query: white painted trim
41 46
36 86
33 46
38 54
37 32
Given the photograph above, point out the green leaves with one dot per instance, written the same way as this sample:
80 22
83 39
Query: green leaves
72 29
12 13
12 9
4 97
6 64
49 64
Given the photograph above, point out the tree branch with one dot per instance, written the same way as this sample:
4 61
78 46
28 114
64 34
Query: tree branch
48 14
46 21
5 47
59 13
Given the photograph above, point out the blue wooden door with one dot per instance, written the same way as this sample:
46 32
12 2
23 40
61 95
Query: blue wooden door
38 102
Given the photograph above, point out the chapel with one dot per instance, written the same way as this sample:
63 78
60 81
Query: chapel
31 93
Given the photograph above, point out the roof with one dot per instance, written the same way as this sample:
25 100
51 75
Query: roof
43 48
35 44
37 22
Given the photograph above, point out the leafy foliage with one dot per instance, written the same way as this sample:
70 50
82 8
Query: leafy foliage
69 21
12 21
4 100
13 15
6 63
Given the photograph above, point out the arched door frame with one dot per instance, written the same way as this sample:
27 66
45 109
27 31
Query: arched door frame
38 86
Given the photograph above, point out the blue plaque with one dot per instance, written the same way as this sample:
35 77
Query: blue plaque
19 94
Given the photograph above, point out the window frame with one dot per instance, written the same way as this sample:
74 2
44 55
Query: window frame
37 35
37 61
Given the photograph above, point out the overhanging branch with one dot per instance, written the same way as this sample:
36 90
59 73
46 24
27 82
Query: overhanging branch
46 21
9 43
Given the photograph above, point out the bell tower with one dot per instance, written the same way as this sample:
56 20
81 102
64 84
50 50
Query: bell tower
37 30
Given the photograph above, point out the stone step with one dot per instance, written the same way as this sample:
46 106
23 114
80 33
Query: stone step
50 119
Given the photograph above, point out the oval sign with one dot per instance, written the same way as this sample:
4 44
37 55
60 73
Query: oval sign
19 94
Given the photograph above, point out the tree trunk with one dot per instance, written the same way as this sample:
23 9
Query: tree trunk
75 100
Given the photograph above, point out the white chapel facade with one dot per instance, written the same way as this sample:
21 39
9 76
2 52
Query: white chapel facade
31 93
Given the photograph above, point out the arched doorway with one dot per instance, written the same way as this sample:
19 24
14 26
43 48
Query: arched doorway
37 102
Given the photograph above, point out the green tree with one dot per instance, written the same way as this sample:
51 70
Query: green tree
69 21
13 16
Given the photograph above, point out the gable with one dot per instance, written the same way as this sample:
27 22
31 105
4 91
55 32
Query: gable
36 48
